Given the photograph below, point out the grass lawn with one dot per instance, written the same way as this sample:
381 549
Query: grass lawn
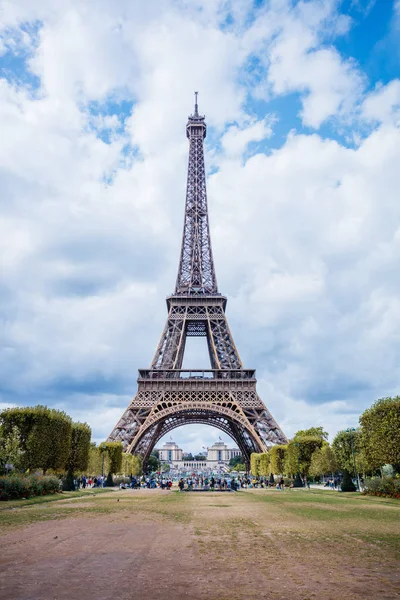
296 544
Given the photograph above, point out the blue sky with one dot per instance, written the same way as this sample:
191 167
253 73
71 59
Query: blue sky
302 102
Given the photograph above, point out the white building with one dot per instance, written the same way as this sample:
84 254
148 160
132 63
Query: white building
170 452
216 460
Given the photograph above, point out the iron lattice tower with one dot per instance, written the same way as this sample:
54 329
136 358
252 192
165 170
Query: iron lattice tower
224 396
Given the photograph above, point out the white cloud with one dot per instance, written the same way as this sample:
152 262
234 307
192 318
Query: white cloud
383 104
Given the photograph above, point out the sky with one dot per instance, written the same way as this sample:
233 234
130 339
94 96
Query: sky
302 103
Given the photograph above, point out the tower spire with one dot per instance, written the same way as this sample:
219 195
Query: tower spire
196 274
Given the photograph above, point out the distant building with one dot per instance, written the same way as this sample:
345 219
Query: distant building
216 460
170 452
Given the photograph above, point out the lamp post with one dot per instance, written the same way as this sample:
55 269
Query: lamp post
103 449
351 431
298 482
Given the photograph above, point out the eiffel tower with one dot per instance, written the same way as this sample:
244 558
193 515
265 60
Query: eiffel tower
224 396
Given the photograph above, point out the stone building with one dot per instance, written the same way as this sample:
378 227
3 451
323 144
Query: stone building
216 460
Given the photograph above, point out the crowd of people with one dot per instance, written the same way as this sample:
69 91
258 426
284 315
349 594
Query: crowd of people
196 482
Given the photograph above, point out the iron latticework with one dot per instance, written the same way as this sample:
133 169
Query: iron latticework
224 396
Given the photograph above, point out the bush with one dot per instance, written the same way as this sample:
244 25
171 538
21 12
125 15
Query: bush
386 486
13 487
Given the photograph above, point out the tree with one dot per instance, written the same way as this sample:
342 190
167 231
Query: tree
264 464
80 445
239 467
153 464
236 460
380 433
323 461
78 453
44 436
131 465
255 464
313 432
95 463
10 450
299 453
343 445
277 459
114 451
165 468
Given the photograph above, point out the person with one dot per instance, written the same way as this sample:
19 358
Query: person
282 483
181 484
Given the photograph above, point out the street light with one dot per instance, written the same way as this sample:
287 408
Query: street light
103 448
298 482
351 431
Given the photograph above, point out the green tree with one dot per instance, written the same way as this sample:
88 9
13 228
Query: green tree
255 464
264 468
44 436
80 445
313 432
10 450
343 451
95 462
299 453
236 460
380 433
239 467
153 464
114 451
323 461
78 453
277 459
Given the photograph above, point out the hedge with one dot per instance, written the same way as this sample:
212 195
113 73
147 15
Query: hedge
385 486
13 487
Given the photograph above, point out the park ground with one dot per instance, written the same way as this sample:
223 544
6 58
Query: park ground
153 544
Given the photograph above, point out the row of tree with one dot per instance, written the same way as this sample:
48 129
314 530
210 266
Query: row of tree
375 443
41 438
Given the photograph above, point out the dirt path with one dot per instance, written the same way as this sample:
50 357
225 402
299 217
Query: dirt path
156 545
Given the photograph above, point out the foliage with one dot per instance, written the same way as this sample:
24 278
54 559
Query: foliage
153 464
165 468
236 460
79 449
95 462
342 448
131 464
277 459
255 464
382 486
347 484
380 432
44 436
17 486
10 450
114 453
299 453
264 464
239 467
323 461
313 432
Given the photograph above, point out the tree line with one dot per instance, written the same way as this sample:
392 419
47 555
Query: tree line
44 439
365 450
